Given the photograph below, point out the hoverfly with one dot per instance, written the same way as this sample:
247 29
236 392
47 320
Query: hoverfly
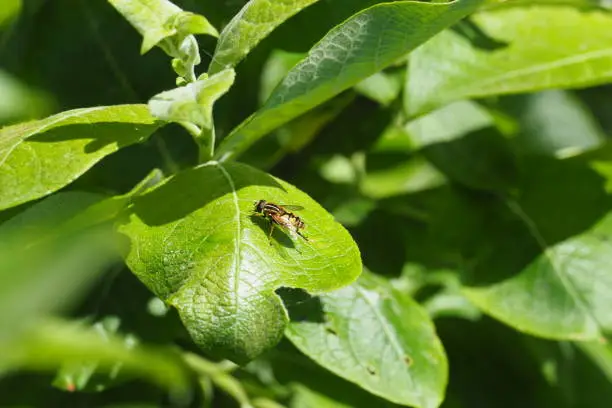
278 215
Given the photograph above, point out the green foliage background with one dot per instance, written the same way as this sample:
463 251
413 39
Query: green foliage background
454 165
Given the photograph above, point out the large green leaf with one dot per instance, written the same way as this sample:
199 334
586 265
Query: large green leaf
205 253
378 337
40 157
251 25
575 3
565 293
561 288
573 49
361 46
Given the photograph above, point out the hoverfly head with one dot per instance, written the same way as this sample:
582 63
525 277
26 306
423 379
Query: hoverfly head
259 206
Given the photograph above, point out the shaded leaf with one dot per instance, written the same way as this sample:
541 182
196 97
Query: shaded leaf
573 50
207 254
40 157
377 337
361 46
462 142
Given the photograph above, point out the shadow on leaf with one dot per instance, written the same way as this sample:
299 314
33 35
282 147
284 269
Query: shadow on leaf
193 189
302 306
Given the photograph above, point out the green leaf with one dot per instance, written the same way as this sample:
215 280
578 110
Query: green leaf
52 343
220 375
554 123
306 398
374 335
20 101
192 103
162 23
381 87
41 257
395 174
600 354
8 9
461 141
361 46
573 50
40 157
207 254
564 292
523 3
274 70
252 24
157 20
449 123
293 371
83 375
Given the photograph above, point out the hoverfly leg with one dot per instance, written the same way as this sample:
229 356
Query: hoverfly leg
270 234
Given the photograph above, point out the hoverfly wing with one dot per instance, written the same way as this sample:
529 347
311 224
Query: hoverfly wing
292 207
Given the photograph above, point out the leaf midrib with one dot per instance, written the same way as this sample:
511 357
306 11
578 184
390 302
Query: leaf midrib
237 237
566 281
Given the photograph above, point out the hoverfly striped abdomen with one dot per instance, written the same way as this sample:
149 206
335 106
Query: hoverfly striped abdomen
278 215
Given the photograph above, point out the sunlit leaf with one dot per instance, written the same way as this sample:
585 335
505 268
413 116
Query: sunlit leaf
377 337
361 46
156 20
40 157
545 48
192 103
554 123
251 25
207 254
8 9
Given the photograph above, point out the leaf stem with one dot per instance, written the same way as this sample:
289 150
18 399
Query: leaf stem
206 144
204 138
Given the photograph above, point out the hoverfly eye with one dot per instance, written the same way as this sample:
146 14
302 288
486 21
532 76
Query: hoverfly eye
259 206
